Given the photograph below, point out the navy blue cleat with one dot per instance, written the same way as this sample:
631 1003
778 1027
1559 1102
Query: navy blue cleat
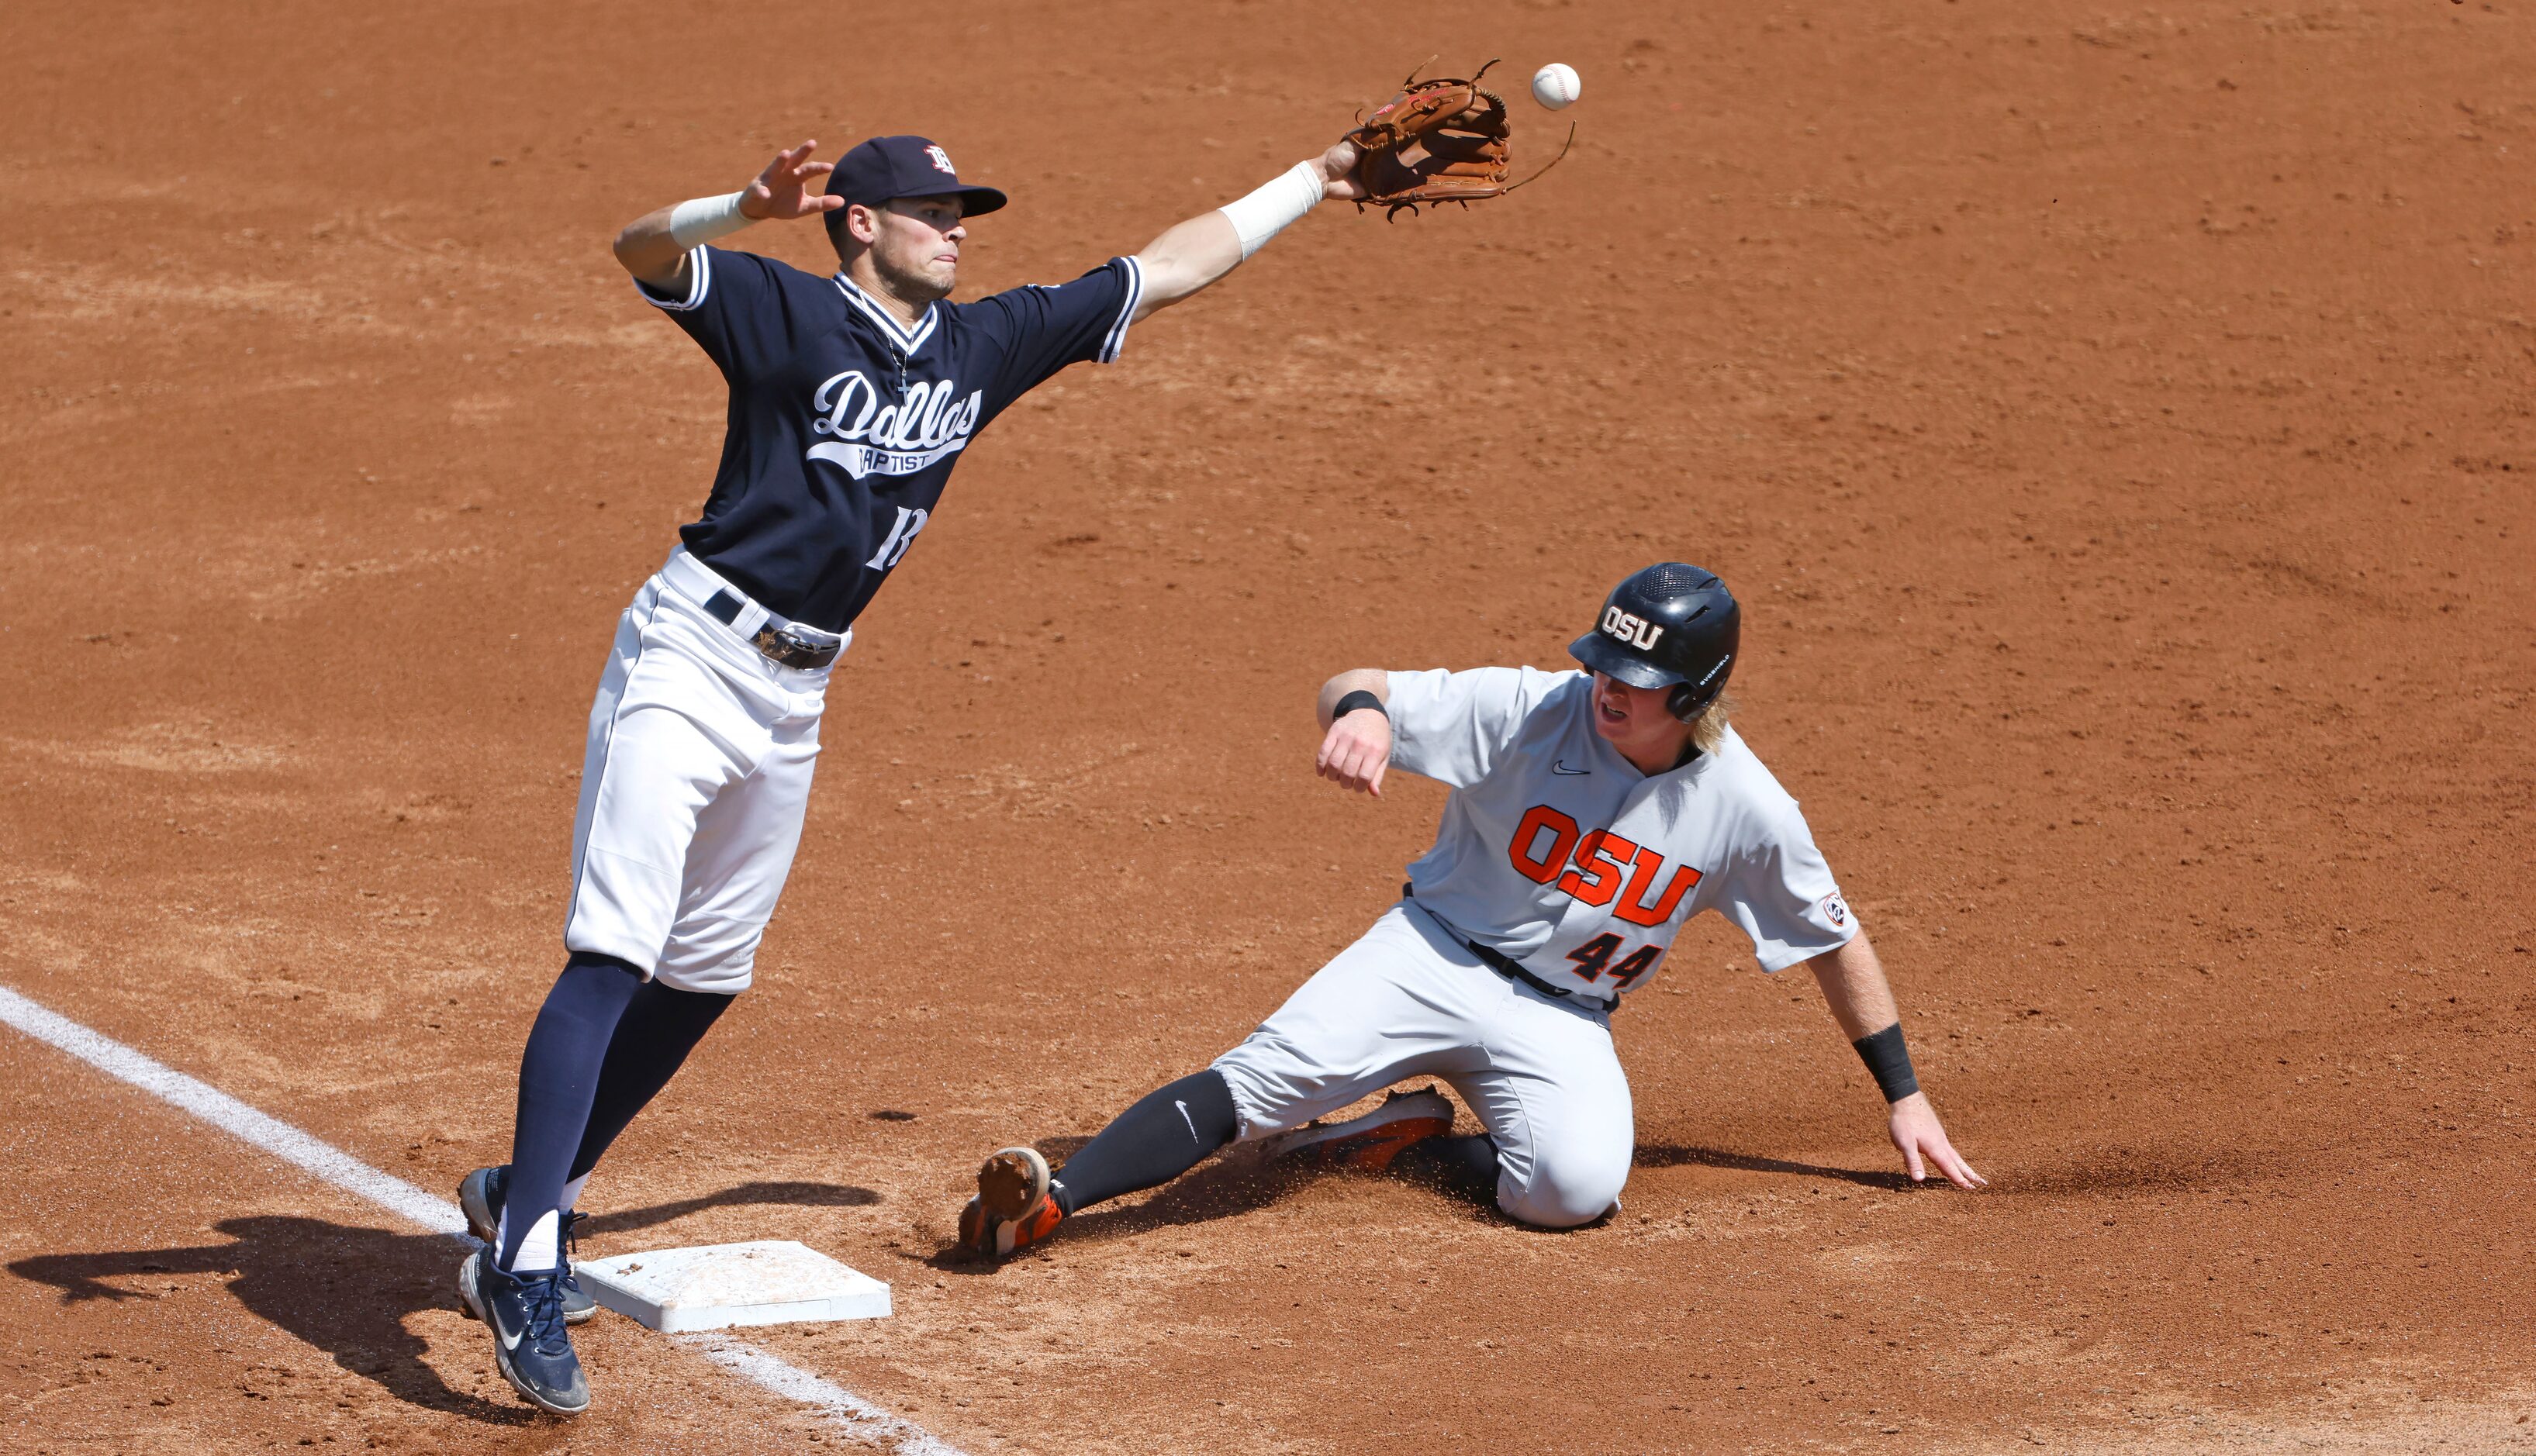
531 1346
479 1197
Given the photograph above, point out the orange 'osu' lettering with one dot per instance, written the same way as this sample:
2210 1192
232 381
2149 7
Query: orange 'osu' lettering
1519 851
1602 862
1633 907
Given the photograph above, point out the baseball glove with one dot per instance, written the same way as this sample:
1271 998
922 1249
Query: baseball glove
1442 139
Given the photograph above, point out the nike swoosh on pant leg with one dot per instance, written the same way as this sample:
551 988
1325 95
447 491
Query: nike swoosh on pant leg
1185 1117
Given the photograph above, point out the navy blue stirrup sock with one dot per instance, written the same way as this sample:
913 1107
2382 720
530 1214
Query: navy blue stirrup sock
559 1079
652 1042
1164 1135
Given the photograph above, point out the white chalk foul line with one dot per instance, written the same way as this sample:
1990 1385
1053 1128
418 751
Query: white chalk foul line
841 1406
844 1408
228 1113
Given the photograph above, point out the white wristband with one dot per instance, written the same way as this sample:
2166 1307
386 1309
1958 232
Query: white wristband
1265 212
701 220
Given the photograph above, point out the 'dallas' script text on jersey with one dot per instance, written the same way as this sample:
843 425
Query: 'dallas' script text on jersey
844 423
893 439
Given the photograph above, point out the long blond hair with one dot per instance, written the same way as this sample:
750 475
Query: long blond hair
1708 730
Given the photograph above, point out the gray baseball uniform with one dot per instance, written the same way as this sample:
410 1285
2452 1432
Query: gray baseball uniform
1559 857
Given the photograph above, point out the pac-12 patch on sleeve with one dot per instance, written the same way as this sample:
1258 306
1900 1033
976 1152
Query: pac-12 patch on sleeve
1835 911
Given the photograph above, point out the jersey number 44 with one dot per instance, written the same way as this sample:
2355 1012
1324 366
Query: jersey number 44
1597 867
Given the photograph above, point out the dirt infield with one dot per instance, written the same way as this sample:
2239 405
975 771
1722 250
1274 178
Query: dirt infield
2116 421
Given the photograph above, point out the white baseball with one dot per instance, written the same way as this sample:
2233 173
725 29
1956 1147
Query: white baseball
1556 86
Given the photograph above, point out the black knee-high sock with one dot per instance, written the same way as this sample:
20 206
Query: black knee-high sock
1465 1166
660 1026
1164 1135
558 1078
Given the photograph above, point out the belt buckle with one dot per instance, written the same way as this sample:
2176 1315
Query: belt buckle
781 645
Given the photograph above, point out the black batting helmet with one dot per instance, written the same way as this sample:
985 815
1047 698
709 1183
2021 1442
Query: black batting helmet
1668 625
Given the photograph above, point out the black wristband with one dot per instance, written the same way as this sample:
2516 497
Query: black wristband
1889 1062
1355 700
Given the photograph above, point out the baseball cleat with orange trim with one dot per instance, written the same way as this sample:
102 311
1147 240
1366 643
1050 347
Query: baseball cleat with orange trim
1012 1209
1366 1144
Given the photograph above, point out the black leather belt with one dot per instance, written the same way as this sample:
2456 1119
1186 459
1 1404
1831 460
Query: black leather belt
1511 968
777 644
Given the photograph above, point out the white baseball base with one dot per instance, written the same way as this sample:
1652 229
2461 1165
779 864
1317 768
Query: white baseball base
716 1286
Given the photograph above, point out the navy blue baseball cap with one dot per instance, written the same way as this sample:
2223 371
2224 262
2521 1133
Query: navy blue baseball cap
883 169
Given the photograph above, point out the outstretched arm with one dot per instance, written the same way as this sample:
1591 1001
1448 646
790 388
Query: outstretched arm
1191 255
1861 1001
82 1276
1356 745
654 247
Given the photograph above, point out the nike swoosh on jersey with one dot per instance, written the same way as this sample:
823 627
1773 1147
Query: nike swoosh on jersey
1557 766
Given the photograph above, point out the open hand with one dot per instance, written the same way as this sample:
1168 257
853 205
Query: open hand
1356 750
1916 1132
783 192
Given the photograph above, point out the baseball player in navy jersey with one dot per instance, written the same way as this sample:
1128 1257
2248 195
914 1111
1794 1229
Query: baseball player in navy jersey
852 396
1592 813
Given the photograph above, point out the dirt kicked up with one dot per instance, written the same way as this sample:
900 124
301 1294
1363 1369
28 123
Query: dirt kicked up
2115 423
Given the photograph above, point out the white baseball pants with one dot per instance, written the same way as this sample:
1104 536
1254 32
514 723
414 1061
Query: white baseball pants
1409 1000
692 788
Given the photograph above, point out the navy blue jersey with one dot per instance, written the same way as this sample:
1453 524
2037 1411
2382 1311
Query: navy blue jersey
845 423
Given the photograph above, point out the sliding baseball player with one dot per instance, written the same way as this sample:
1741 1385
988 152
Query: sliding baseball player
1593 813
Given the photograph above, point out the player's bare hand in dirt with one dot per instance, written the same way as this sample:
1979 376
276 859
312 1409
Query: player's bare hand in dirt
1356 750
1922 1143
1338 171
784 191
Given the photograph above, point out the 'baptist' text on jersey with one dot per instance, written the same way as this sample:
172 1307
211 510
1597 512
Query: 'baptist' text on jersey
845 423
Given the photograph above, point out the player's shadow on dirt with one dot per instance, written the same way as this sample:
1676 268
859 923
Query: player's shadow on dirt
1239 1184
1679 1155
344 1290
790 1195
349 1290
